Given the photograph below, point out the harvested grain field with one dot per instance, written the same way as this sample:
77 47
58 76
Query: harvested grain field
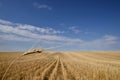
61 66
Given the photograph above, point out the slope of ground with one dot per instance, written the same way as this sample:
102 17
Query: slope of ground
61 66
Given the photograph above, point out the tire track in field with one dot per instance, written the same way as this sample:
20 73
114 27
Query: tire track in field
54 73
45 64
69 64
69 73
30 66
63 69
34 64
40 69
42 62
46 73
64 72
74 67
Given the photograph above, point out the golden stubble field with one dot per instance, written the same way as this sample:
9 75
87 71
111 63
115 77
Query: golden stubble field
61 66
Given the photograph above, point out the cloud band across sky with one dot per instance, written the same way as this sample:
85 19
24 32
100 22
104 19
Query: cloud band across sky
10 31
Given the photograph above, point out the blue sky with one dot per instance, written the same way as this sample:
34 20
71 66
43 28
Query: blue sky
86 24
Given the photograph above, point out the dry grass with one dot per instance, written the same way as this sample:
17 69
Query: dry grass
62 66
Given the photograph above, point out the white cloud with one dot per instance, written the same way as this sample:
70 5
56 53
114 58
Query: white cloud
104 41
23 28
42 6
74 29
24 32
39 29
5 22
13 37
32 32
110 38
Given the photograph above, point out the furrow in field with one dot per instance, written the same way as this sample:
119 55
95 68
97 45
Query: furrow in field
36 63
46 73
40 65
29 67
92 61
54 74
65 67
64 72
40 69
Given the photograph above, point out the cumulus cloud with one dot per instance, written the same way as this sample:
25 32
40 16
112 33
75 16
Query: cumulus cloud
42 6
